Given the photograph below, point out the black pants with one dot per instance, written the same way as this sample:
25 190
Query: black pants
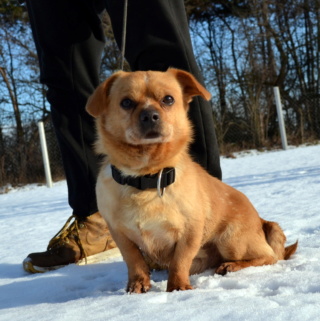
69 41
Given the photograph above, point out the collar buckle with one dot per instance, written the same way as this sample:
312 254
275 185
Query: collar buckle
159 188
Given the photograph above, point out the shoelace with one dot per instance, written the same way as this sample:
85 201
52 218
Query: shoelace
67 230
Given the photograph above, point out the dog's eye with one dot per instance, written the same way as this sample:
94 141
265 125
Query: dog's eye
168 100
127 103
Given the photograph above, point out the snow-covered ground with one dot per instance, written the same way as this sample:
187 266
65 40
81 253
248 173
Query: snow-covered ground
283 185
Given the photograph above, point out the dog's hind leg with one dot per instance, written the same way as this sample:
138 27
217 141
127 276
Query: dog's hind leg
208 257
260 249
239 265
240 253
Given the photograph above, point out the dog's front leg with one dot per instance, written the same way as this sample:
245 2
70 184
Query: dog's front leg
138 270
179 268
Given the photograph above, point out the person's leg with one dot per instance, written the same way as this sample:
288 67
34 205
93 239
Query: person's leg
157 38
70 55
69 42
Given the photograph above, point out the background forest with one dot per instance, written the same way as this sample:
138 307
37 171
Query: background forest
244 49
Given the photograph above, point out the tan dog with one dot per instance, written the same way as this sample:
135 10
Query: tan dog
198 222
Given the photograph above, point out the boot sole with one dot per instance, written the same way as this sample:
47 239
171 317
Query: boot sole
96 258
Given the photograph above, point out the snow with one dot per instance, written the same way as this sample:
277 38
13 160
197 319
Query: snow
284 186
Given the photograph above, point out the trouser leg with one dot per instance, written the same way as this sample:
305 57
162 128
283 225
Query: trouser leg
157 38
69 51
69 43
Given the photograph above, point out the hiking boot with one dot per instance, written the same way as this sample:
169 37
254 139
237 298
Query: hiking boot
80 241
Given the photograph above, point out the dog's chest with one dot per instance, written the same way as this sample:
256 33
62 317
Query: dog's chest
152 225
155 224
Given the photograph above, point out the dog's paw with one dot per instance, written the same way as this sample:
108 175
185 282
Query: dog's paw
224 268
138 285
180 287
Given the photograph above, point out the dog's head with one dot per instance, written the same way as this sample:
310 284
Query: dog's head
139 113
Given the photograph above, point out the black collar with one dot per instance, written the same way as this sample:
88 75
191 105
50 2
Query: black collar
160 180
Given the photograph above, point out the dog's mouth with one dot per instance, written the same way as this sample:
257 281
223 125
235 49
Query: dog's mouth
150 137
153 134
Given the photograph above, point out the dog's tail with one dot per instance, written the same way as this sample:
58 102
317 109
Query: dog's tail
276 239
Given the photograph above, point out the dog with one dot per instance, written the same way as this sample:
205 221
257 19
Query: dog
163 208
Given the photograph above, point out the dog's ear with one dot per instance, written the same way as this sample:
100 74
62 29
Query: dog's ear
190 85
97 102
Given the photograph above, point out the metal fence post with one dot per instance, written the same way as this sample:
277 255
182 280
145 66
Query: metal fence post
45 156
280 118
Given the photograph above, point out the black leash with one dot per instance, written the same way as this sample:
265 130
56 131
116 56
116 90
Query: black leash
124 33
167 175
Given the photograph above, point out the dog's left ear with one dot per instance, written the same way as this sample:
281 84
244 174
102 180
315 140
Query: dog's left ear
190 85
97 102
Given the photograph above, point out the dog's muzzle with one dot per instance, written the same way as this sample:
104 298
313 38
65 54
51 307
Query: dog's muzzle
150 123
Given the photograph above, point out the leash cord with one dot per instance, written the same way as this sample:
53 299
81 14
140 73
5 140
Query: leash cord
124 33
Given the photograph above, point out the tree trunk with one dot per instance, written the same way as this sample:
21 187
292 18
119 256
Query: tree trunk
14 103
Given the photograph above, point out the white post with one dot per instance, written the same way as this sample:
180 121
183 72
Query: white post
45 155
280 118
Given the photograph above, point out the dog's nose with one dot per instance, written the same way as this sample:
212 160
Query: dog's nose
149 119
